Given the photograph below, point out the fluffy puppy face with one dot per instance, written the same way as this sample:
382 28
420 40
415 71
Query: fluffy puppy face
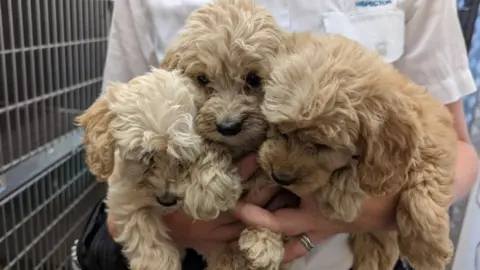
153 124
154 114
299 159
331 103
225 48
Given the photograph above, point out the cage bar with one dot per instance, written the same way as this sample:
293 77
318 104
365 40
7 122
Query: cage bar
51 62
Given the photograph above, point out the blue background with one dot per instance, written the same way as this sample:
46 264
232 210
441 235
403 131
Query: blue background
470 101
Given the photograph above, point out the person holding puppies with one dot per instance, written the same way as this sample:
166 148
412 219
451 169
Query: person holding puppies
423 39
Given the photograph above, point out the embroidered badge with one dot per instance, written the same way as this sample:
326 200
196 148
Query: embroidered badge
373 3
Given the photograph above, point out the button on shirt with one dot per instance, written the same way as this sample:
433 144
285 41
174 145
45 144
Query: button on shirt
422 38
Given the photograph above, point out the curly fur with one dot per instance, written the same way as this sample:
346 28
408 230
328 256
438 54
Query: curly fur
226 47
98 140
156 159
347 125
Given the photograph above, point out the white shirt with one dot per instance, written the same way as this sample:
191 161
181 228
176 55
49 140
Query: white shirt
422 38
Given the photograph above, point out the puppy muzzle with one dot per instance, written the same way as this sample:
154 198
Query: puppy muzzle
283 179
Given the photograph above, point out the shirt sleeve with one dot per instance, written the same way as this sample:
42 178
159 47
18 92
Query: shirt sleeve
130 49
435 54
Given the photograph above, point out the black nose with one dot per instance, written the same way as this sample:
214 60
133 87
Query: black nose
167 200
282 179
229 127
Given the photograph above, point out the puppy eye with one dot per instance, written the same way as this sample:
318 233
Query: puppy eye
203 80
321 147
253 80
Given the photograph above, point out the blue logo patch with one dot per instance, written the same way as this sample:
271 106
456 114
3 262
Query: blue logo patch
374 3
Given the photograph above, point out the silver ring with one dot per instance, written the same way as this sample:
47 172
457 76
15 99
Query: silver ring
307 242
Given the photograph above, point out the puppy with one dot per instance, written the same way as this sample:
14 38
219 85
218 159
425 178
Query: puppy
154 161
347 125
225 48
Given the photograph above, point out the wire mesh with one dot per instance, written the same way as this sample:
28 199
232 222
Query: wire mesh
39 222
51 62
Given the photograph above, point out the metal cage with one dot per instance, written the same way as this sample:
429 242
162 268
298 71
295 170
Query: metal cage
51 64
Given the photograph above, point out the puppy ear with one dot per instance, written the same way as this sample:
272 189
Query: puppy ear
170 60
98 139
390 135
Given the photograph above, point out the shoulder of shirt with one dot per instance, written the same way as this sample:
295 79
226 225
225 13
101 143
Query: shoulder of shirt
406 5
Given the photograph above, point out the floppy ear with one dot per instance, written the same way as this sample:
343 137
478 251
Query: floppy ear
390 136
98 140
170 61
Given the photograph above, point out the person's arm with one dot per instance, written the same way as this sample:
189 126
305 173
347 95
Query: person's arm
130 46
467 162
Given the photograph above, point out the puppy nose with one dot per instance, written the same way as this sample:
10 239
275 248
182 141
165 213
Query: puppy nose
229 127
167 200
282 179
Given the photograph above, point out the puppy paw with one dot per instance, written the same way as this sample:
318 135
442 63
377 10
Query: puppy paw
262 248
214 194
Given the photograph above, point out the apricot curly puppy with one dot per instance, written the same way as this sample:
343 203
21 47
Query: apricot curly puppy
225 48
348 125
154 159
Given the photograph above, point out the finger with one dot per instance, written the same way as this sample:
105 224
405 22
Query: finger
112 228
256 216
222 228
247 166
283 199
295 248
226 233
180 217
295 221
206 247
261 197
309 202
224 218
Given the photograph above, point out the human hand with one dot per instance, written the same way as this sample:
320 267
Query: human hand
207 236
377 214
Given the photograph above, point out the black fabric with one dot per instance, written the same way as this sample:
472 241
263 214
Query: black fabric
96 249
193 261
468 15
400 265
